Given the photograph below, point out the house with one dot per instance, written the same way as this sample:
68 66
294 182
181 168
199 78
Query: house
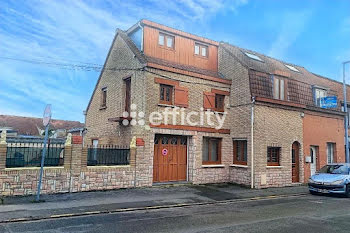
31 126
200 110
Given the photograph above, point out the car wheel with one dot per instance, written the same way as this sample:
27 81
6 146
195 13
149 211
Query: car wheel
347 191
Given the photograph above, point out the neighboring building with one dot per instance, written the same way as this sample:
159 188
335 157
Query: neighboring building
156 67
289 124
31 126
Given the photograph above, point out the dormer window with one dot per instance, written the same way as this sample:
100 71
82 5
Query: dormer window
200 50
166 40
319 93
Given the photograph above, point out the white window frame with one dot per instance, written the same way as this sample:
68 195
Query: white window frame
319 93
279 88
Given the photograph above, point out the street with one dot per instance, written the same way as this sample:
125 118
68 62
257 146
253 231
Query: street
287 214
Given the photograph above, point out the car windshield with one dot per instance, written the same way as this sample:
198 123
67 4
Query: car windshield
335 169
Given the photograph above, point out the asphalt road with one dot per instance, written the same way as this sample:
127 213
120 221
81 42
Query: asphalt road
295 214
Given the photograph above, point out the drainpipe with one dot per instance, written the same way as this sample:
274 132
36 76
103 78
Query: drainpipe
346 116
252 144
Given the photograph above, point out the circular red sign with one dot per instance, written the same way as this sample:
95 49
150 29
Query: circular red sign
164 151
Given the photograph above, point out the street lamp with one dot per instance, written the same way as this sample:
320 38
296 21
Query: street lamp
346 116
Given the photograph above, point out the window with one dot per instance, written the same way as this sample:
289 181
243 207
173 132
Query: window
330 152
211 150
127 94
273 156
166 40
161 39
319 94
240 152
201 50
252 56
292 68
279 89
104 97
166 94
219 103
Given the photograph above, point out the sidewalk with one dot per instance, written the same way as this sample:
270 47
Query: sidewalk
61 204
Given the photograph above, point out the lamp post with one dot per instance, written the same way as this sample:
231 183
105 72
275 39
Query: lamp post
346 116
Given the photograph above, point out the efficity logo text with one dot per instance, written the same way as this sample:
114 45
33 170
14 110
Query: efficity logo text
175 116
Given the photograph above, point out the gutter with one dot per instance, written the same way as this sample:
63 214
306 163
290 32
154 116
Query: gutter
252 144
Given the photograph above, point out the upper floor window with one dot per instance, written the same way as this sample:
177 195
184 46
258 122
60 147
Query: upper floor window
166 94
104 97
201 50
219 103
279 89
319 94
127 83
166 40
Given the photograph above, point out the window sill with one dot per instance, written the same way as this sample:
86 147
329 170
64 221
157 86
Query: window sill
104 166
167 105
279 167
103 107
239 165
213 166
31 168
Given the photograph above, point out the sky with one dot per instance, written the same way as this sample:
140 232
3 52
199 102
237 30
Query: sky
44 44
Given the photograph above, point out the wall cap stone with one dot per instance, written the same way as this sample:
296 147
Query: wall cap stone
214 166
238 165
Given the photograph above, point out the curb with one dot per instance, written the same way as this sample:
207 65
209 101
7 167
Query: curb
70 215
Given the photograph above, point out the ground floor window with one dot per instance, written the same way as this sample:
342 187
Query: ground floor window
240 152
330 152
211 150
273 156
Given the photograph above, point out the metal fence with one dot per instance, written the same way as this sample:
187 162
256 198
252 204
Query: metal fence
28 154
108 155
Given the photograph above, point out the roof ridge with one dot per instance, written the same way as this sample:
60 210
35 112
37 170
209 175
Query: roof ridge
36 118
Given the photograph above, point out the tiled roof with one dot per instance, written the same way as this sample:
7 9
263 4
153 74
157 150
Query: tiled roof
28 125
272 66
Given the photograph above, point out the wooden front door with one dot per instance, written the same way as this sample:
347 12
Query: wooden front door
170 158
295 162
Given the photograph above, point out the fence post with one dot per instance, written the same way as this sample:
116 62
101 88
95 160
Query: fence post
68 152
3 150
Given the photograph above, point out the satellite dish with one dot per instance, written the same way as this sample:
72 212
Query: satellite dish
47 115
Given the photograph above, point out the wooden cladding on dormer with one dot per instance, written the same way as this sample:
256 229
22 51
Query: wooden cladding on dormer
183 50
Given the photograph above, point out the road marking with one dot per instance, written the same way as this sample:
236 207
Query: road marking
70 215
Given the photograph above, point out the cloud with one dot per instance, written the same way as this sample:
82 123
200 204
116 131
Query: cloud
292 25
75 32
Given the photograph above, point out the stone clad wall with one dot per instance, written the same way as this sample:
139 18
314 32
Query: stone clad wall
74 176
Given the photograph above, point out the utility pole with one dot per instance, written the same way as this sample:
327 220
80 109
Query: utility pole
346 116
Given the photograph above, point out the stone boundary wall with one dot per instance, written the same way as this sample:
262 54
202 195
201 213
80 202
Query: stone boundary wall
74 176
